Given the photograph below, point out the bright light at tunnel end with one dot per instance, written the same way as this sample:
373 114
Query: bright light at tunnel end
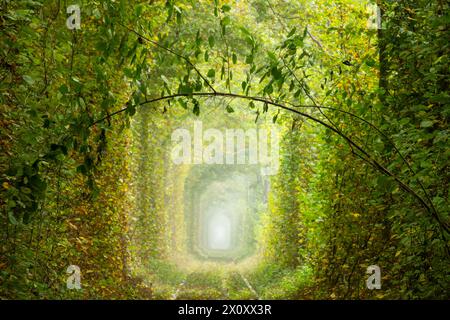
223 206
219 232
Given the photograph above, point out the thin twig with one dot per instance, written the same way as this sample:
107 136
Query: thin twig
157 44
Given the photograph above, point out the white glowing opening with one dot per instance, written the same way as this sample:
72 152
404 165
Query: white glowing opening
219 231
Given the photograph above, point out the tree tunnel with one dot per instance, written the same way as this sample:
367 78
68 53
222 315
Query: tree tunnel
135 149
221 211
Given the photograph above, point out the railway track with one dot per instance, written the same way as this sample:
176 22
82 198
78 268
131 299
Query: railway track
210 286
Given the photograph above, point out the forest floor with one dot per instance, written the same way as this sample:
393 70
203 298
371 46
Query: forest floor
226 281
218 281
204 285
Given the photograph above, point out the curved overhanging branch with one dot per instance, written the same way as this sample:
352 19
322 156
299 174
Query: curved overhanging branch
366 156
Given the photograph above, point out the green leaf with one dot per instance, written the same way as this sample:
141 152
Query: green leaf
63 89
211 41
131 109
371 62
229 109
292 32
211 73
166 81
276 73
426 123
234 57
28 79
225 21
226 8
25 190
275 117
196 109
81 102
183 103
11 218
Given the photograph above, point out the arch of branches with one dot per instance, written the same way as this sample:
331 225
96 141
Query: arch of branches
357 150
